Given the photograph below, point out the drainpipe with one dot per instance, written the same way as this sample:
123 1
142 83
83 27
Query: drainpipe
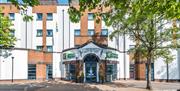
12 79
69 33
124 50
26 32
63 27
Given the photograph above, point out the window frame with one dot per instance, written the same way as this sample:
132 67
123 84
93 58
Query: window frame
92 16
49 19
47 33
102 32
31 68
12 18
39 46
75 32
37 33
39 19
91 30
12 32
51 47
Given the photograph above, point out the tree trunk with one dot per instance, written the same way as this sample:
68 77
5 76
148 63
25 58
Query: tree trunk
149 86
167 80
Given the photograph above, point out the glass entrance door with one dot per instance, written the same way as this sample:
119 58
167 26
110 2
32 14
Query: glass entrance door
91 71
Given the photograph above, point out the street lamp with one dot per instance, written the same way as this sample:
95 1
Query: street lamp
12 69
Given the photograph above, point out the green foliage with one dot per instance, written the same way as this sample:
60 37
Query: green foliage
143 21
6 37
23 6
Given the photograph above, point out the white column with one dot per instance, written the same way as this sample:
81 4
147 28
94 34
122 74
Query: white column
84 70
97 72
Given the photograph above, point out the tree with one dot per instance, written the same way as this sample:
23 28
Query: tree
23 5
143 20
6 37
167 61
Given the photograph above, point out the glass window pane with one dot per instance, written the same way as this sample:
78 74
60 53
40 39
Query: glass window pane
12 32
90 32
104 32
49 48
39 16
39 33
49 33
31 71
90 16
49 16
77 32
39 48
11 16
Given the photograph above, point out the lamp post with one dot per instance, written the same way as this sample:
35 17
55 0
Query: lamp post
12 69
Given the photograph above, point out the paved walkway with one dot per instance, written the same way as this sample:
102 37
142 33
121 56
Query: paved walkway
120 85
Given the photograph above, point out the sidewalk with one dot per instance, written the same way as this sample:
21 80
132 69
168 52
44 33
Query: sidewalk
119 85
134 85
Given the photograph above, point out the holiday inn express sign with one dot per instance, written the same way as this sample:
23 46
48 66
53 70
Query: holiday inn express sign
110 54
80 53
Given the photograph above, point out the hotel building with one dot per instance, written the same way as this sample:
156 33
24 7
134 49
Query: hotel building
52 47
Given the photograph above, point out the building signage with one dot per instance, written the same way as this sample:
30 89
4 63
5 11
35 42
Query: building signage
96 51
69 55
110 54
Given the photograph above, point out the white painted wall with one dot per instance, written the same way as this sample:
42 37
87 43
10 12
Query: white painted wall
56 65
20 65
174 67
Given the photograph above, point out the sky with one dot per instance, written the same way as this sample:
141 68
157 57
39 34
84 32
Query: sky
59 1
63 1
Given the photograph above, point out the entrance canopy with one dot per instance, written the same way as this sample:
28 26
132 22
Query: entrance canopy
79 53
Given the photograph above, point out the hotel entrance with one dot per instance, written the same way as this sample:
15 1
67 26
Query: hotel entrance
91 68
91 63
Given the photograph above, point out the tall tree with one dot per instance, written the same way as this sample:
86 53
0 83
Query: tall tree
23 5
143 20
6 37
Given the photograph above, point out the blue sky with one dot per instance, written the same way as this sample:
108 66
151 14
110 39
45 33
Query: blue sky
59 1
63 1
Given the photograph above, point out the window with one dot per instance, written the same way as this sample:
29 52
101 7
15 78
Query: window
12 32
77 32
8 1
39 16
103 16
4 1
39 33
72 71
49 48
39 48
31 71
104 32
49 33
12 16
90 32
49 16
49 71
90 16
